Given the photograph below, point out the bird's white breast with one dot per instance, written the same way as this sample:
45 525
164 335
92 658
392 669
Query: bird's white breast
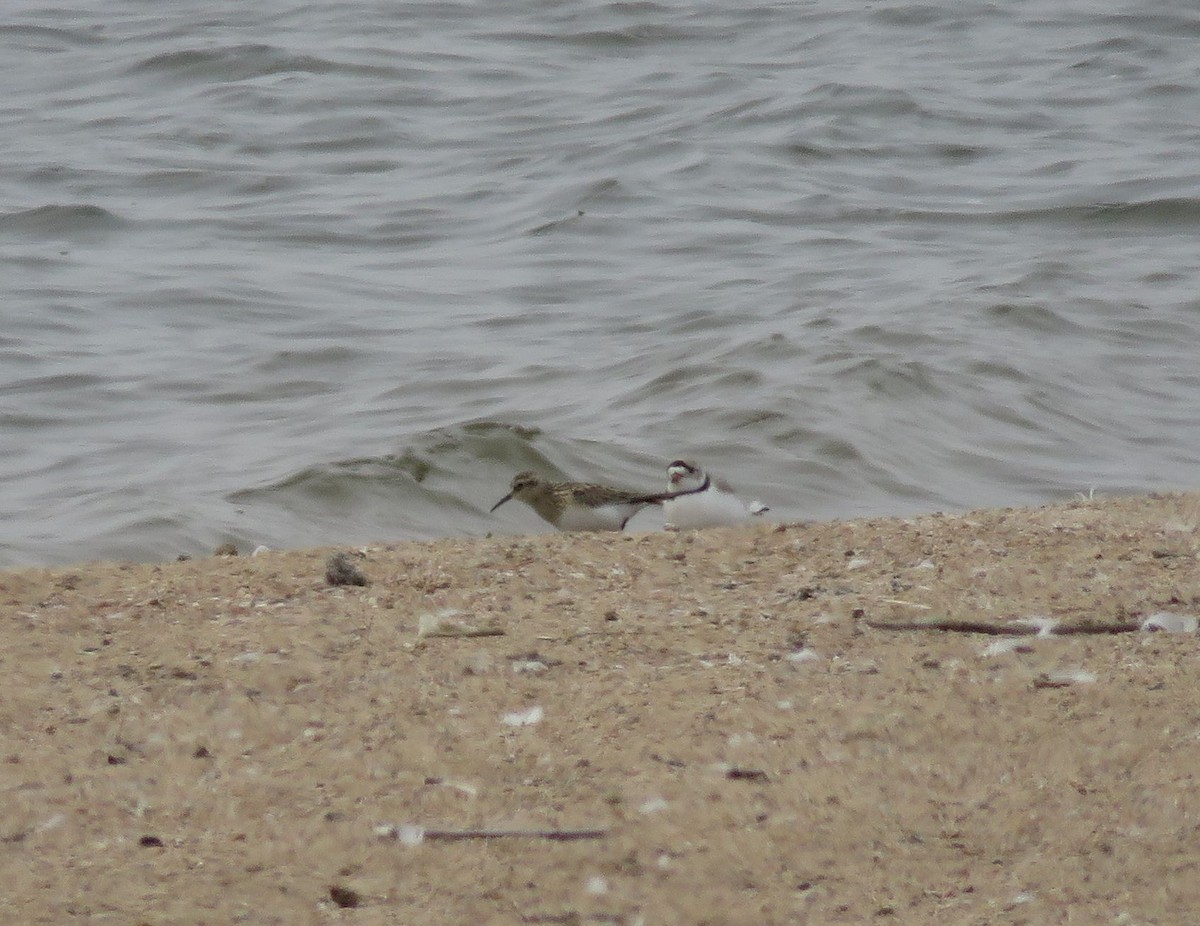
601 518
710 508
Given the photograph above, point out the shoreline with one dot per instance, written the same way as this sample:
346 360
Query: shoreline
724 712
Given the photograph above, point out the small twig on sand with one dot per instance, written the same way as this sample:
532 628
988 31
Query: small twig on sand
953 626
1011 630
747 774
1045 681
556 835
465 632
1084 629
570 918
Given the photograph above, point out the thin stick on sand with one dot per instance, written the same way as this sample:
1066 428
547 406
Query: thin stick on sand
412 835
949 625
556 835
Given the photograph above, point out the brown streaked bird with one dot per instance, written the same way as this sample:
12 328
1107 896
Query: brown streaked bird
578 506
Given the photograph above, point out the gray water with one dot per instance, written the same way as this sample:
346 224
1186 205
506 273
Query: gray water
295 274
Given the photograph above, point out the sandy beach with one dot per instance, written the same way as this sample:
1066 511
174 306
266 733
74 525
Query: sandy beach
841 722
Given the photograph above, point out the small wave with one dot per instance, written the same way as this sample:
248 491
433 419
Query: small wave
867 99
336 480
358 500
892 377
1008 416
1169 212
996 370
438 483
55 383
447 452
36 37
555 224
233 63
630 37
1030 316
917 15
59 221
838 451
28 421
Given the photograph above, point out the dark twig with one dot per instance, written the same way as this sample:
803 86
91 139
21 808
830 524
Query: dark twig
556 835
1011 630
954 626
465 632
1084 629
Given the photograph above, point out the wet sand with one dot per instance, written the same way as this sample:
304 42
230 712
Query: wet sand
718 727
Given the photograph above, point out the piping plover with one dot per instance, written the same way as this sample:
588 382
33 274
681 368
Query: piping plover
699 499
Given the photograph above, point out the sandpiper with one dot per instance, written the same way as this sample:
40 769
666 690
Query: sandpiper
578 506
698 499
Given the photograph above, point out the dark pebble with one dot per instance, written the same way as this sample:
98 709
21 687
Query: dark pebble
344 896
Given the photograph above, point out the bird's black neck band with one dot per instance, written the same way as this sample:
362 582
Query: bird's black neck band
703 487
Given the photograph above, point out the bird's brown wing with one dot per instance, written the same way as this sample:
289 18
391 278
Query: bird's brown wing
596 495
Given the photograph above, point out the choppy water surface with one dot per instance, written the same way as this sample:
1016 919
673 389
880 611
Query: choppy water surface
330 273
